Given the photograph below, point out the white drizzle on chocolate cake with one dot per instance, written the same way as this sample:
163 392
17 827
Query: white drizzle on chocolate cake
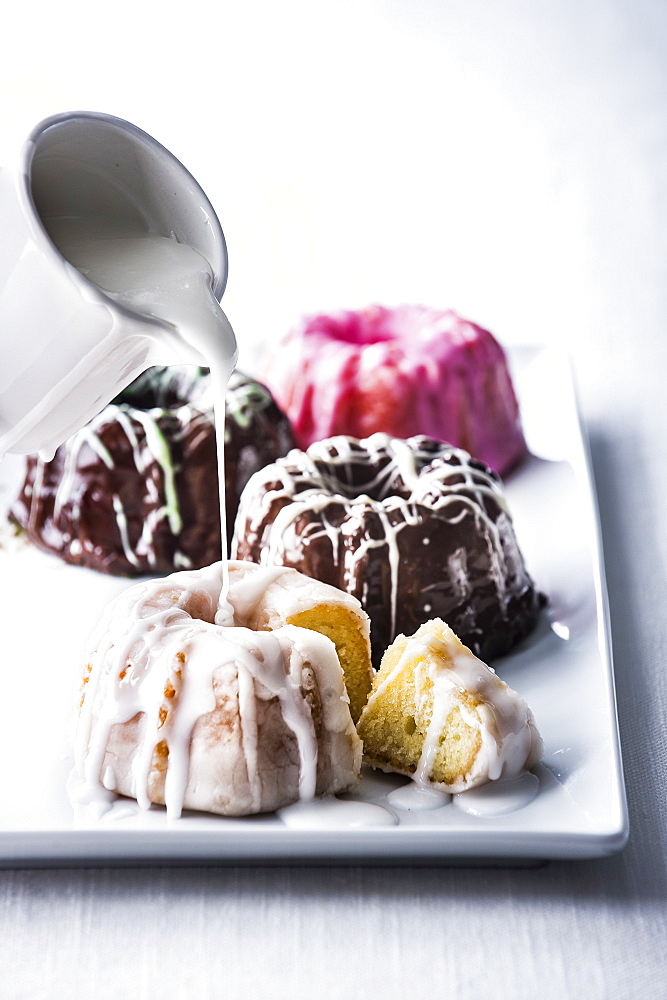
135 491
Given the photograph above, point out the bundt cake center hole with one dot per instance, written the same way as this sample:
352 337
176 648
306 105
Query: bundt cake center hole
361 329
378 490
354 477
165 388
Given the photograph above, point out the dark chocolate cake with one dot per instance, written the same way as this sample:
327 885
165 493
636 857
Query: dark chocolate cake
136 490
414 529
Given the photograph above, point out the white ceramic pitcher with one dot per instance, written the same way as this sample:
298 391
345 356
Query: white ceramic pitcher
61 337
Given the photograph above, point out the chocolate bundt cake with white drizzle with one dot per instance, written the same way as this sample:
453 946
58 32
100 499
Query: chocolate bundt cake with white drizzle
135 491
414 529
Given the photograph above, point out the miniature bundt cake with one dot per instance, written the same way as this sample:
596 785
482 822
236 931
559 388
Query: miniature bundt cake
441 716
404 371
414 529
135 491
234 720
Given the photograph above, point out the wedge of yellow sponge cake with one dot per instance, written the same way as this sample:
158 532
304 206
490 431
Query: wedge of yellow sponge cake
443 717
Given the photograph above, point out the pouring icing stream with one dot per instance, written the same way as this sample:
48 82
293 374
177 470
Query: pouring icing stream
167 281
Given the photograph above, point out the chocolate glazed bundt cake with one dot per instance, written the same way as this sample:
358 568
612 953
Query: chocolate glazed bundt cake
135 491
414 529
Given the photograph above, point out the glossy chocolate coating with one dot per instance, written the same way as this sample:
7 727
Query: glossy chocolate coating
440 545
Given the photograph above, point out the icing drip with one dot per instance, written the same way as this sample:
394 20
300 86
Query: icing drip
121 522
158 446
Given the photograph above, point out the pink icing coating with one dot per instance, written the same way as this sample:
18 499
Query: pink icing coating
404 371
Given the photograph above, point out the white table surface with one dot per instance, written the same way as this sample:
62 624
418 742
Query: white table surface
508 159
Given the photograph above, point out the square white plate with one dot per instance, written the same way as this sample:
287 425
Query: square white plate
564 671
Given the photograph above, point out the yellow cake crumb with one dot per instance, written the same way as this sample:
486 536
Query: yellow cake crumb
342 627
440 715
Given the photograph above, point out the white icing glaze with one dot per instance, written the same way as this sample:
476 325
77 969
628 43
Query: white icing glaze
287 592
249 589
418 798
158 656
499 797
335 814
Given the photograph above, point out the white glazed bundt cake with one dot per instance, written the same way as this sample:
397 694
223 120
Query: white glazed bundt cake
234 720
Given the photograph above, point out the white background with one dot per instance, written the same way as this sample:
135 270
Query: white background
503 157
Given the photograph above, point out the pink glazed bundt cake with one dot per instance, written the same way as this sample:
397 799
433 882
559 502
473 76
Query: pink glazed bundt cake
403 372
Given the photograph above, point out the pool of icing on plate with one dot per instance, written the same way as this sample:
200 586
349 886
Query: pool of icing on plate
381 808
496 798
